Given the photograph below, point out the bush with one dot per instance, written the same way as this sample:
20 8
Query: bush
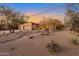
54 47
75 37
75 41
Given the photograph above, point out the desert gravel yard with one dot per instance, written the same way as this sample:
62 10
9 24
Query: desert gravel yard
36 45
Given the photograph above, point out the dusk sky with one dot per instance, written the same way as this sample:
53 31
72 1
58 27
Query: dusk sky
39 8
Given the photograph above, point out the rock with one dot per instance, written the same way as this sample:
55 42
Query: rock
12 48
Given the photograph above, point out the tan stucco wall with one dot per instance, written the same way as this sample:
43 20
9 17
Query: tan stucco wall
25 27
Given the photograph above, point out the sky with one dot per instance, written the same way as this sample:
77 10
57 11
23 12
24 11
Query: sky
39 8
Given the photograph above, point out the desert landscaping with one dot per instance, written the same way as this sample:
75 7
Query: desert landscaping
13 45
26 31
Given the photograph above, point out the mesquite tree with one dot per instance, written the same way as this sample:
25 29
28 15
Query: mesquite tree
72 17
13 18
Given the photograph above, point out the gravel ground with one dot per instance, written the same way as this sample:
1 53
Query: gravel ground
36 46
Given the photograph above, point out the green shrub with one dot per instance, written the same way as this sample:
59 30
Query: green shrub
75 41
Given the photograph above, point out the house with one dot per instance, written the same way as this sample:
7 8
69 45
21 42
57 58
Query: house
3 22
36 23
32 23
25 26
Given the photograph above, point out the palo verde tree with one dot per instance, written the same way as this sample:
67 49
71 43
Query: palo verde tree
13 18
72 17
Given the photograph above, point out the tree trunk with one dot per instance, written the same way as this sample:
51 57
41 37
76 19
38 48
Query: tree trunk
11 29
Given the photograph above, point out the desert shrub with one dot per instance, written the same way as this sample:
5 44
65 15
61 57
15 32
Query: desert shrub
13 18
75 41
75 37
54 47
72 17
